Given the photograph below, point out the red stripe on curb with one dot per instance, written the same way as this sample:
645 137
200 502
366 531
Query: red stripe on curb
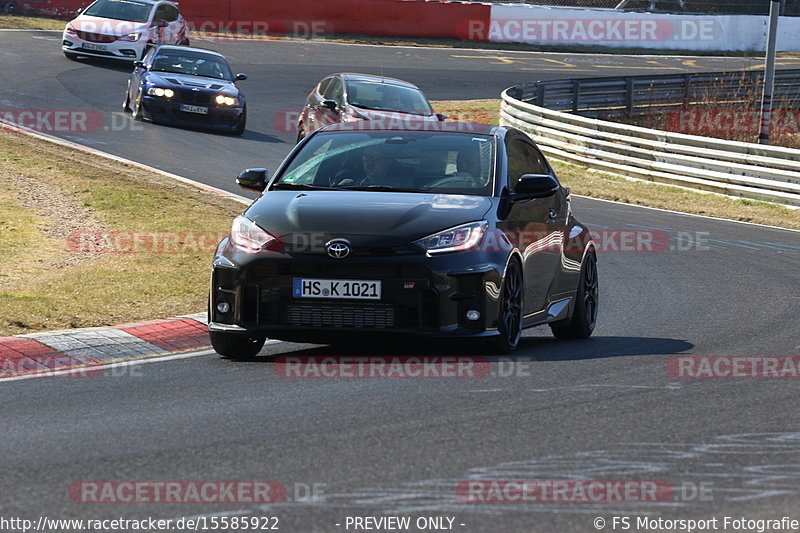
19 356
171 335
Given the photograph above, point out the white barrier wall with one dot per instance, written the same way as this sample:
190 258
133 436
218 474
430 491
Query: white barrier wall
609 27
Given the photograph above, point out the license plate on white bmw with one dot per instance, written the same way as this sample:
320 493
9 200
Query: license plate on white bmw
337 288
200 110
95 47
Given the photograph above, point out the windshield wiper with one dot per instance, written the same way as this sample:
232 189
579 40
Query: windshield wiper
300 186
381 188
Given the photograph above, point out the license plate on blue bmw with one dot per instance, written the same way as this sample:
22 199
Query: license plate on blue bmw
200 110
337 288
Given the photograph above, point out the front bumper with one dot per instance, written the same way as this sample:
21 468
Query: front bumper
169 111
421 295
124 50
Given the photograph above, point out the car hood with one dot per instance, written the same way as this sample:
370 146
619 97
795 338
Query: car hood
366 219
103 26
168 79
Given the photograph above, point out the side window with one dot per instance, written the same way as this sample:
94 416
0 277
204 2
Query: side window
335 91
323 85
148 58
170 14
523 158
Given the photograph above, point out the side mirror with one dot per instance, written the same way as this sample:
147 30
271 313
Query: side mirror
79 11
241 77
441 116
536 186
253 179
138 64
329 104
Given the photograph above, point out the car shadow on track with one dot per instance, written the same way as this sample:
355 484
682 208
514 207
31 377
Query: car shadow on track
108 64
530 349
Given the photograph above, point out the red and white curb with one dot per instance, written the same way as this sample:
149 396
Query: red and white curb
57 351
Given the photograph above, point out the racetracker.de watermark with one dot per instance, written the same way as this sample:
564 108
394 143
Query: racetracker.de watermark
65 121
262 29
178 492
381 367
578 31
733 367
563 491
711 121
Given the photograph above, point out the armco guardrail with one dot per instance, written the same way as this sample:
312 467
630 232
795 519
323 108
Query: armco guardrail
734 168
636 95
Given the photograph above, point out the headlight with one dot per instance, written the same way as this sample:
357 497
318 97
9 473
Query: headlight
248 237
455 239
130 37
161 92
226 100
71 30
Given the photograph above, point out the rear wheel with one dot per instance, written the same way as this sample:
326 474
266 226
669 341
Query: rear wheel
584 316
509 319
236 346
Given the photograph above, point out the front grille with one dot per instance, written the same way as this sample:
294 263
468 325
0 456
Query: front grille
194 97
330 315
97 37
400 310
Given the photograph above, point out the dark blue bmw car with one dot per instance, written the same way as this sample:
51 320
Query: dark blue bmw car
187 87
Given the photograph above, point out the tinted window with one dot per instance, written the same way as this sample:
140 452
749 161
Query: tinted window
386 97
166 12
119 10
192 63
524 158
323 85
448 163
334 91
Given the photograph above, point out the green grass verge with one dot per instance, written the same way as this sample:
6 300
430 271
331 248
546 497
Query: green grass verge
645 193
50 285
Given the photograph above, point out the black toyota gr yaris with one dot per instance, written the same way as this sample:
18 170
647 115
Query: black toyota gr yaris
446 230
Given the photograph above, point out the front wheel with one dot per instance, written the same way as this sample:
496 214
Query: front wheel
236 346
241 127
509 319
71 56
584 316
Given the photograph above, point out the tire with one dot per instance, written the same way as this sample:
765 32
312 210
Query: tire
236 346
241 127
184 42
301 132
584 315
509 319
70 56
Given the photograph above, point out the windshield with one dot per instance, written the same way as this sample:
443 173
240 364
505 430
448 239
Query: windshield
386 97
120 10
423 161
193 64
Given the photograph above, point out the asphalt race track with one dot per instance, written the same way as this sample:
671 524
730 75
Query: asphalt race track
602 409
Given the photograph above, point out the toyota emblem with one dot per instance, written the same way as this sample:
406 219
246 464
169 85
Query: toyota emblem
338 249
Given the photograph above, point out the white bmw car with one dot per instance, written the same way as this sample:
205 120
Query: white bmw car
123 29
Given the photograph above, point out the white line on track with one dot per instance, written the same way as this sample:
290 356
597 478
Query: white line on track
477 50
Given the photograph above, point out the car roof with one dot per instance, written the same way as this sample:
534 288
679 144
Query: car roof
177 48
352 76
404 124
